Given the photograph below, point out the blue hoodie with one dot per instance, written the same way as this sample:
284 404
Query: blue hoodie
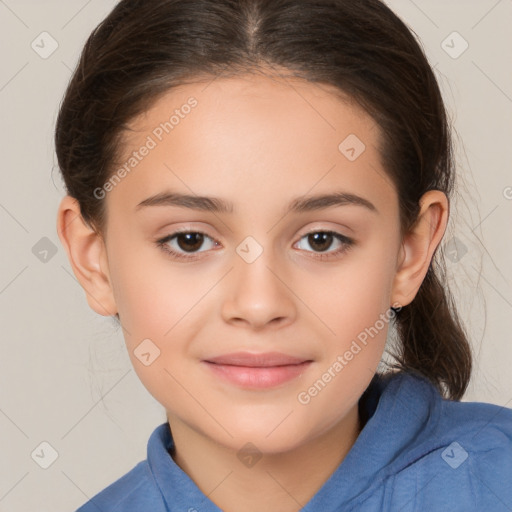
416 452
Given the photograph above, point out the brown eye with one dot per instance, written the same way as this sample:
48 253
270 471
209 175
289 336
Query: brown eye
186 244
190 242
321 241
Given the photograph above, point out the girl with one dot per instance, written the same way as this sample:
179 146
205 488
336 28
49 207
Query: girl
256 191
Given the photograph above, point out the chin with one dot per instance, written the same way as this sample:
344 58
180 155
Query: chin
265 440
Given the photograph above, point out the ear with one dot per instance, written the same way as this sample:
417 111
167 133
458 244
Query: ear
419 245
87 255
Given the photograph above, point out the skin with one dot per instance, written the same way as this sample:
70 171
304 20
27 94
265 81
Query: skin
258 142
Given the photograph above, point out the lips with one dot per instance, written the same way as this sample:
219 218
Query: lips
257 371
261 360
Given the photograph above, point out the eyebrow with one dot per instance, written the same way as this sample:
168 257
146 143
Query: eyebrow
217 205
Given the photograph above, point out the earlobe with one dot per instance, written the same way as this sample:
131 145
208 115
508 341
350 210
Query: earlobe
87 255
419 245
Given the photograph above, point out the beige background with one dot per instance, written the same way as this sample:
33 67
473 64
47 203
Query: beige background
65 377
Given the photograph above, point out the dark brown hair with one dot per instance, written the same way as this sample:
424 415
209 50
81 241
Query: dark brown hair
145 48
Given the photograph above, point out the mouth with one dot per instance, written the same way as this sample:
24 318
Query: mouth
257 371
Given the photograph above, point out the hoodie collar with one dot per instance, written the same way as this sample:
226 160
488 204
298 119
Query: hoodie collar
400 411
403 410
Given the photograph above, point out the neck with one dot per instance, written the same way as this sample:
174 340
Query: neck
277 482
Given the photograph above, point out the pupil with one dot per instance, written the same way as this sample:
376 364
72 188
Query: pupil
190 237
321 238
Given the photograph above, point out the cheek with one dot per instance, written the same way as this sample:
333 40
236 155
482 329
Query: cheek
349 296
160 309
353 303
156 335
148 295
357 309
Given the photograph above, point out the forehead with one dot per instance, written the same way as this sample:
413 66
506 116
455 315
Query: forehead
253 132
254 103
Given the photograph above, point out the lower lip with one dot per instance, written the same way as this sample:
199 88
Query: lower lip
258 377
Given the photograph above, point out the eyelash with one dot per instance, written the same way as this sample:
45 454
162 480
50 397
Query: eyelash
347 244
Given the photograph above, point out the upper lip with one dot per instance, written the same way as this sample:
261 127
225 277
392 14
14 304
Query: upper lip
258 359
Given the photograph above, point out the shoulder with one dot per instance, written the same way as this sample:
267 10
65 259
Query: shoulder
482 425
133 492
482 430
463 456
481 436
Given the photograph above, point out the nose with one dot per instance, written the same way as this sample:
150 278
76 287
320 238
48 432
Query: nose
258 295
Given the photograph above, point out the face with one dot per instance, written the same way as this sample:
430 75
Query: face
260 268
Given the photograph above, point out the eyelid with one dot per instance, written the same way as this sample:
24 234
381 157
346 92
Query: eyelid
164 240
324 229
183 230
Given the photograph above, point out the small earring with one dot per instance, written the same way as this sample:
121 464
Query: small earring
396 307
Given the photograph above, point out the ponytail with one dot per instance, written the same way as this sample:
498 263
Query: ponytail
432 339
